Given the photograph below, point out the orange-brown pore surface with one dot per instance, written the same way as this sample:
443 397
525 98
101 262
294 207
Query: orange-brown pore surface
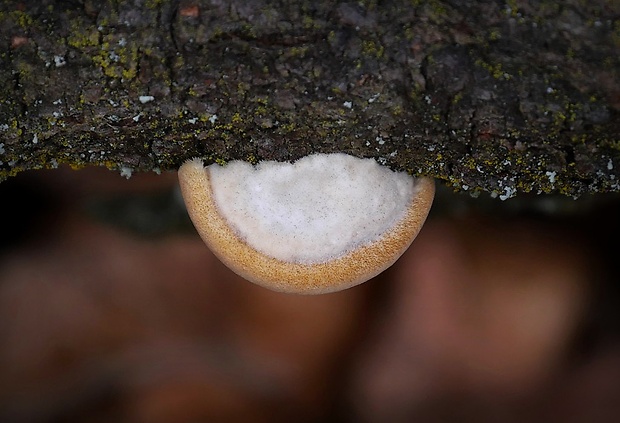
343 272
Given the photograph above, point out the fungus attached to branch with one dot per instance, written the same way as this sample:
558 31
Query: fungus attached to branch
322 224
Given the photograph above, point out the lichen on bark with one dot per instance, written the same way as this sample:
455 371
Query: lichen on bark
498 96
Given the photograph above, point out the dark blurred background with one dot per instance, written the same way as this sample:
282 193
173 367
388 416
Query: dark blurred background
113 310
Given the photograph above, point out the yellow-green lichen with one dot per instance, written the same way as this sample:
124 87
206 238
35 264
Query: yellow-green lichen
117 59
82 38
23 19
495 69
372 48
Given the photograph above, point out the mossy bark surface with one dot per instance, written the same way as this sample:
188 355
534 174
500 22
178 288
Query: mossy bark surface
499 96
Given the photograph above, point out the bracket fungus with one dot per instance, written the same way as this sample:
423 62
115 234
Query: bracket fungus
324 223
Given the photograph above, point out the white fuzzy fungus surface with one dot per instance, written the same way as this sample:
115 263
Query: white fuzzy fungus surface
316 209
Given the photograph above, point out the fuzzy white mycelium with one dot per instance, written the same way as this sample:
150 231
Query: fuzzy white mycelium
322 224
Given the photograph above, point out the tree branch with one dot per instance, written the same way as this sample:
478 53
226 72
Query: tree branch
502 96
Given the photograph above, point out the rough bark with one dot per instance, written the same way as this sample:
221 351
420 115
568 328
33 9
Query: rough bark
502 96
